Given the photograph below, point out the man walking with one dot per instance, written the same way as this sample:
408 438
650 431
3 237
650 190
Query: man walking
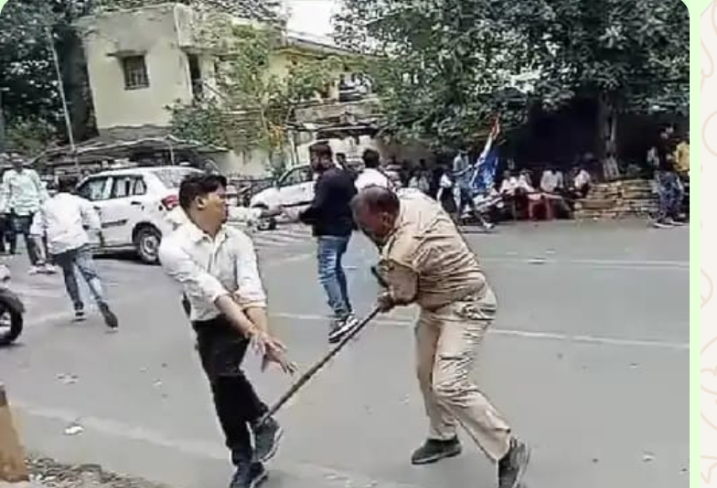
216 266
670 187
424 260
62 221
330 216
21 195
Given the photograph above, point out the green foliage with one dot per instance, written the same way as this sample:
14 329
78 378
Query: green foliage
448 66
255 106
30 136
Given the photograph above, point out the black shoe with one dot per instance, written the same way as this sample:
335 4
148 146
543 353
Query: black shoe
434 450
341 327
513 466
110 318
266 440
79 315
249 475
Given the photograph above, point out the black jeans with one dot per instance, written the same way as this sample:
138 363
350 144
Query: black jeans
238 407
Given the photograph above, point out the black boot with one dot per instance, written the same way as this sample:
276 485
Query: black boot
513 465
434 450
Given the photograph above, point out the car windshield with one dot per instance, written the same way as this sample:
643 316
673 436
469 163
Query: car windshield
172 177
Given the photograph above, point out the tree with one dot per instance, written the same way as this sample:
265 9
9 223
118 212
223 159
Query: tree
26 70
628 56
448 65
443 68
251 108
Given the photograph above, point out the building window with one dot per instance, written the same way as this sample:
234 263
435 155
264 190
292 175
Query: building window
195 75
135 72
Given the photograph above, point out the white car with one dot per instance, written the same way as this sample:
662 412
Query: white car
293 191
134 205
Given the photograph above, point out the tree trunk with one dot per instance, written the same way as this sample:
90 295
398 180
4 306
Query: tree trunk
607 137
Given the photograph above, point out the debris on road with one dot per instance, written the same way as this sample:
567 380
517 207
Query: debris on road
648 457
67 379
74 429
47 473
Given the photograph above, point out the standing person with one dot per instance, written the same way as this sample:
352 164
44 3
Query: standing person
330 216
22 194
670 188
424 260
62 221
216 266
463 190
372 173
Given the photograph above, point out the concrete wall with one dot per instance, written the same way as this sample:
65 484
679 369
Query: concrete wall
152 31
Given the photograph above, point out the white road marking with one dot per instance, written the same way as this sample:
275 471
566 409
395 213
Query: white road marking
555 336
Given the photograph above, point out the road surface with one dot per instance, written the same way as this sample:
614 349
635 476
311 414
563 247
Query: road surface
588 360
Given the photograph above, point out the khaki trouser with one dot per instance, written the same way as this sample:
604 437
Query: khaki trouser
447 342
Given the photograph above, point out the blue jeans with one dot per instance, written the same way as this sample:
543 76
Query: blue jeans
330 252
81 259
671 194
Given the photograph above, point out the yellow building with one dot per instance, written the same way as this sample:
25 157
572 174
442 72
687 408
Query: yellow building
141 62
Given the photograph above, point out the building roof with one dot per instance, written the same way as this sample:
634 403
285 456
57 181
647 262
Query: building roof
264 10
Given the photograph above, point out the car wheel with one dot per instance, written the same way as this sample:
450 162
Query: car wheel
147 244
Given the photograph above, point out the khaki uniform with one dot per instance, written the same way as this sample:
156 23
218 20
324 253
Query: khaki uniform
426 261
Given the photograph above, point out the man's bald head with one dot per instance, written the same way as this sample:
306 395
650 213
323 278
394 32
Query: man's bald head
375 210
377 199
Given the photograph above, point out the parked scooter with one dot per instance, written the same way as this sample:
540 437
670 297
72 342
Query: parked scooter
11 310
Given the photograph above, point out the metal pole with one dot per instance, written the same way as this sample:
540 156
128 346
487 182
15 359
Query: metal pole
2 126
61 87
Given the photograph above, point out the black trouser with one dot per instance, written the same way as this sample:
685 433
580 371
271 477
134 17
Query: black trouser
222 350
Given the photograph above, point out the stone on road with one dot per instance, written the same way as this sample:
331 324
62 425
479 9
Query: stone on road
587 360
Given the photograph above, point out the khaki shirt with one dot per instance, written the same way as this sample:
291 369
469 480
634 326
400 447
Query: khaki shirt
426 260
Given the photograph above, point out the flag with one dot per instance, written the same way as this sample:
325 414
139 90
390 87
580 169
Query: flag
487 165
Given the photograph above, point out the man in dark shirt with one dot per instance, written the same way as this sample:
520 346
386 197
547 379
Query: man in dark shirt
670 188
331 217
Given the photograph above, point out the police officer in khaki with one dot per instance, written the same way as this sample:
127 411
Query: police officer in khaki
424 260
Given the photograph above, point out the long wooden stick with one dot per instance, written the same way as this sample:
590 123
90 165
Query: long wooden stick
311 372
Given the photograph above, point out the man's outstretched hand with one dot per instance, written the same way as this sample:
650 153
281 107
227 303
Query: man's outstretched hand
272 351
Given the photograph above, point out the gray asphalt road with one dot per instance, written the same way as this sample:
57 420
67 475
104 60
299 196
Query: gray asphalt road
588 360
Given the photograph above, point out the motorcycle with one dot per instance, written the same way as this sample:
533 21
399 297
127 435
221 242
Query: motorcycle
11 310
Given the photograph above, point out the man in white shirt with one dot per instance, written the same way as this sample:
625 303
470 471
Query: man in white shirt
582 183
372 174
552 181
21 195
216 266
62 220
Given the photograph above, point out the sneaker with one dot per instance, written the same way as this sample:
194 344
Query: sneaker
661 225
109 316
79 315
675 223
434 450
341 327
266 440
512 467
249 475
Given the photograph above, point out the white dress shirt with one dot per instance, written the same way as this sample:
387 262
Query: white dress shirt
372 177
62 220
551 181
582 179
509 185
22 192
209 268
